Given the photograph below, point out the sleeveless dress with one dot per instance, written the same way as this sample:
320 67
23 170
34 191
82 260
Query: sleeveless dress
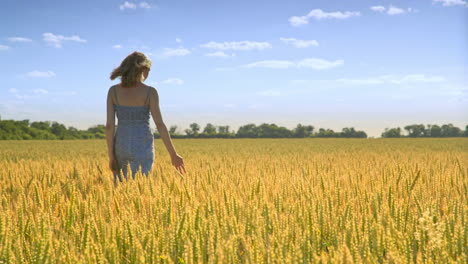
133 140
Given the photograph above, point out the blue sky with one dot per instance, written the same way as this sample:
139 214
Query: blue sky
331 64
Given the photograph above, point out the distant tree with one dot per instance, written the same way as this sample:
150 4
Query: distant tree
97 129
360 134
24 129
223 129
24 123
302 131
247 131
41 134
195 128
434 131
209 130
450 131
415 130
273 131
58 130
392 133
42 125
326 133
348 132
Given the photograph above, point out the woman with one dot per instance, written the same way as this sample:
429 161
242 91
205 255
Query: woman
132 100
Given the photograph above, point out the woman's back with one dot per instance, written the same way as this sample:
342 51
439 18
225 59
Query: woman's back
133 141
131 96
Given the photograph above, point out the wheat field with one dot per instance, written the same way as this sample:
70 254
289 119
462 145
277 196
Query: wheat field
242 201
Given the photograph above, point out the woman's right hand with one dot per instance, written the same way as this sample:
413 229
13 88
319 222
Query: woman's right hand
178 163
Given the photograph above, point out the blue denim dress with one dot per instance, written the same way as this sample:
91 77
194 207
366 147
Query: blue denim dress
133 140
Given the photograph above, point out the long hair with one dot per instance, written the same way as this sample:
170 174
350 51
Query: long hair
131 69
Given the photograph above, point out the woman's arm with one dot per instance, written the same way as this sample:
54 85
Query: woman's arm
177 160
110 125
158 121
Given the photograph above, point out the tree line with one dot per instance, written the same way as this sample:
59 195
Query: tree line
24 129
420 130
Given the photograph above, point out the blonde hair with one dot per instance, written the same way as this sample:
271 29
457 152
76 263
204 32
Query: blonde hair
131 69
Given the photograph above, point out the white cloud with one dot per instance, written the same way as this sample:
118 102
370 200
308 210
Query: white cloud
378 8
127 5
39 74
298 20
269 93
452 2
313 63
173 81
56 40
4 47
299 43
19 39
169 52
393 10
118 46
40 91
144 5
319 14
221 54
13 90
178 40
237 45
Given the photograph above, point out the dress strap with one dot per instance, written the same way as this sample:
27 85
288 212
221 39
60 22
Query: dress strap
115 95
147 96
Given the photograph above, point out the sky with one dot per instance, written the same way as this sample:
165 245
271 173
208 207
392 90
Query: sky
370 65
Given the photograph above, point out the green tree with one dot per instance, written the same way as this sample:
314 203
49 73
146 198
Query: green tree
209 130
42 125
302 131
392 133
195 128
415 130
435 131
223 129
449 130
58 130
326 133
247 131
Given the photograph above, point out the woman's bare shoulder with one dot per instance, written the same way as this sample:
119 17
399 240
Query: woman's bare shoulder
111 88
153 90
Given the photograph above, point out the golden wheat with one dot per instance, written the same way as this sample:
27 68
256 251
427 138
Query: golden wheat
242 201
